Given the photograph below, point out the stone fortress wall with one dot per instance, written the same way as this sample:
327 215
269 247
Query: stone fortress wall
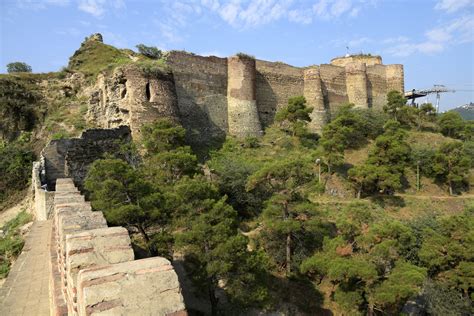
213 96
92 266
93 270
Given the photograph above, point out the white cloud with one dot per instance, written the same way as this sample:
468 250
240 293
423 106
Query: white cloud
98 8
94 7
300 16
451 6
457 31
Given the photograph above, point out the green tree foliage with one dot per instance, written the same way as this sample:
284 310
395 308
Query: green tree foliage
167 158
285 209
17 107
149 51
448 252
451 165
294 117
11 243
451 124
125 197
215 252
351 128
15 167
426 113
395 104
232 172
386 163
366 265
162 135
444 301
18 67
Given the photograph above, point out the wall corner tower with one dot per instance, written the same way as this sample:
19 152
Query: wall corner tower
242 109
313 94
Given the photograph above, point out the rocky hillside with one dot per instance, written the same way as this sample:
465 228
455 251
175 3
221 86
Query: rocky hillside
466 111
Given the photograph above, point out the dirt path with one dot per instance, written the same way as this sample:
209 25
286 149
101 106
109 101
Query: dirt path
437 197
12 212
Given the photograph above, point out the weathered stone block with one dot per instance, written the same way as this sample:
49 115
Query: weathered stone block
77 222
142 287
69 198
63 181
92 248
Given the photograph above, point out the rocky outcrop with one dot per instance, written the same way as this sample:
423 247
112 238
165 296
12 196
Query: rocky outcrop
133 96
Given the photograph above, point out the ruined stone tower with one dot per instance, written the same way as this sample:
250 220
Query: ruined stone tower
242 112
314 98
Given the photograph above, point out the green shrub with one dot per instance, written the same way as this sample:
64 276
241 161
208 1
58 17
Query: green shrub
12 243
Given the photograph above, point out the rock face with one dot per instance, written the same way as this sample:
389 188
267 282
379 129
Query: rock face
133 97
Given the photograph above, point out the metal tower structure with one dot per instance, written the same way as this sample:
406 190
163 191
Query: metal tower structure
437 89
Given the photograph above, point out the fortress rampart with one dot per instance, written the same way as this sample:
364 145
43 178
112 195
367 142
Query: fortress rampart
93 270
213 96
92 266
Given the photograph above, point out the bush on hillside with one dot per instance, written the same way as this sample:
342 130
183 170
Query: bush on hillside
18 66
149 51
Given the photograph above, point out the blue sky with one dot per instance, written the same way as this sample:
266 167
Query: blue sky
433 39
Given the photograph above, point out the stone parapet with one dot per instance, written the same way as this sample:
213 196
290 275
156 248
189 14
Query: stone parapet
112 289
85 253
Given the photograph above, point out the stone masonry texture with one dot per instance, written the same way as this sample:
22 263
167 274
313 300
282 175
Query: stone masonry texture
203 87
92 266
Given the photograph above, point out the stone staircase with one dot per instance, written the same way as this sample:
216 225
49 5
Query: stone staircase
93 270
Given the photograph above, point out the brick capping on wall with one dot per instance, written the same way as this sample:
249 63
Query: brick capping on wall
93 270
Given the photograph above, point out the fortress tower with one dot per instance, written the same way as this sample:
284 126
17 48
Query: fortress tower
356 84
242 112
395 77
313 93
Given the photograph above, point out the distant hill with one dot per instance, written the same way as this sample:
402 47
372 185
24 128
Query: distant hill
466 111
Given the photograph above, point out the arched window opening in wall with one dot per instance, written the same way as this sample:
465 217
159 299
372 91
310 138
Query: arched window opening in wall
147 91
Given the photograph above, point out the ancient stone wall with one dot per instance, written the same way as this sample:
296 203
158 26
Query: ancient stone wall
242 109
356 85
93 270
133 95
314 97
275 83
377 86
359 59
333 79
395 77
43 199
198 93
72 157
201 87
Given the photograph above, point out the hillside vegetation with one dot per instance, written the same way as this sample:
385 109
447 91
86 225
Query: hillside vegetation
296 222
375 211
